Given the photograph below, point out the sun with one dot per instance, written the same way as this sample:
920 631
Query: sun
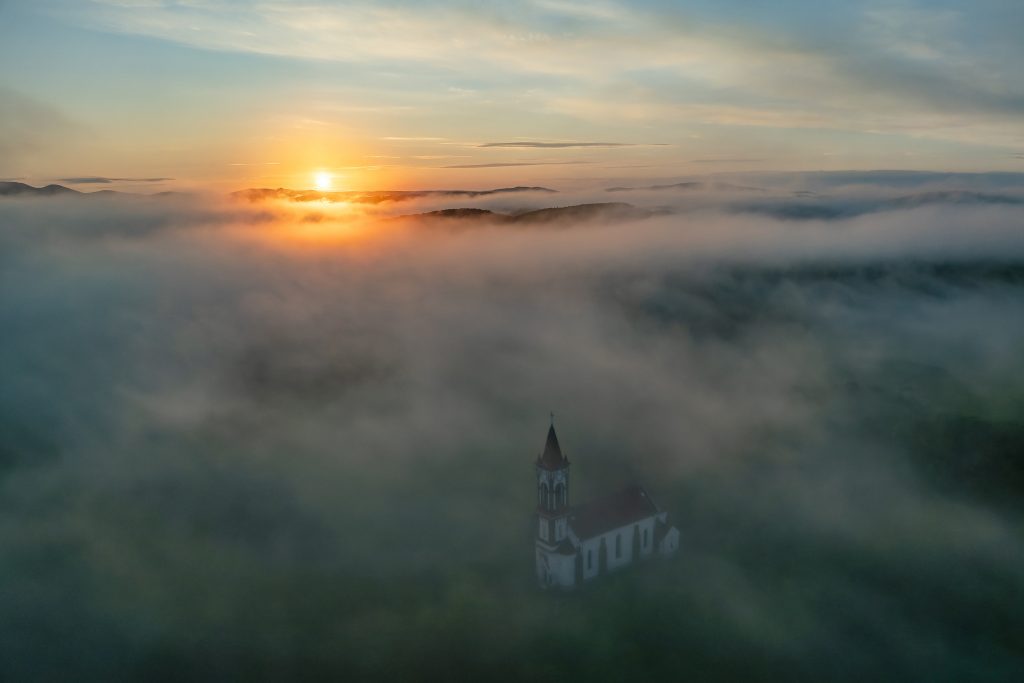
323 180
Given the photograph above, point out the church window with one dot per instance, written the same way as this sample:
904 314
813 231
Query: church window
590 559
645 538
618 546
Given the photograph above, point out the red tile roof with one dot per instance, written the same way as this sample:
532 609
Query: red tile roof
624 507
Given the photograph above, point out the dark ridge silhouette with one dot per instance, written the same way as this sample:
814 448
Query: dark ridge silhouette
9 189
462 213
796 211
373 197
825 208
15 189
605 212
904 178
952 197
693 185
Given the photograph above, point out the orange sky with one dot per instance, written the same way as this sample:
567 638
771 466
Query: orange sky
226 95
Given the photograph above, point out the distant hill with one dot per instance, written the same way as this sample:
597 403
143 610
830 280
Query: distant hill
604 212
600 212
812 207
374 197
675 186
952 197
12 189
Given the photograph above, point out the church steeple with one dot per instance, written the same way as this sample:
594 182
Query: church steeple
552 457
553 545
553 480
575 544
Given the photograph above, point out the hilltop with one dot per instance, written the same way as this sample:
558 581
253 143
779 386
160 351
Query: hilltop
372 197
9 189
15 189
602 212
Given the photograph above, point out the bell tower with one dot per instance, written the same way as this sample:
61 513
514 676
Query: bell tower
552 492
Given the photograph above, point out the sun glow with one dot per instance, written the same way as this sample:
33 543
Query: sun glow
323 180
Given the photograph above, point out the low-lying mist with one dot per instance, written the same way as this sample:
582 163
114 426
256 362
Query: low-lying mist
278 440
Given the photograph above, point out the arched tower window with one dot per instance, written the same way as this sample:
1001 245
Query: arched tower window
559 495
543 495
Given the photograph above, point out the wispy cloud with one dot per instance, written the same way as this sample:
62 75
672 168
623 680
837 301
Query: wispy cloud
565 145
520 163
559 38
643 63
224 382
726 161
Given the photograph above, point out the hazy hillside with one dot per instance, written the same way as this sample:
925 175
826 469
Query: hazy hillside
604 212
263 194
10 189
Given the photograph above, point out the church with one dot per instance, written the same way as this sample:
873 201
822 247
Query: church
578 544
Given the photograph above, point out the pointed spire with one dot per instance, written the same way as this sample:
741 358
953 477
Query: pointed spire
552 457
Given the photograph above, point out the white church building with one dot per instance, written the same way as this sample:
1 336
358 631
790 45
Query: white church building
578 544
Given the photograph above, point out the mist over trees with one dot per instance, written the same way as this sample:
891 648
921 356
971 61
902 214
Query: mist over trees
269 440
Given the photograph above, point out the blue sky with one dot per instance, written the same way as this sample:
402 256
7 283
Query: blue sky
230 92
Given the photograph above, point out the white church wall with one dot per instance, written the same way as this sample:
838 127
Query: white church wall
560 570
590 548
619 543
646 531
543 572
566 569
588 553
554 527
670 542
556 570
